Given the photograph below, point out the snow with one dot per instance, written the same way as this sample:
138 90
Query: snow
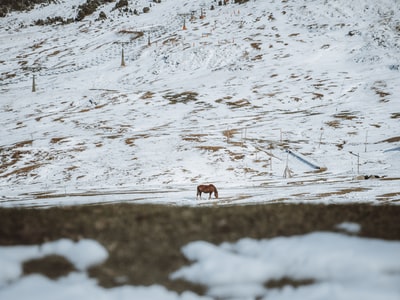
337 266
79 285
349 227
220 102
83 254
341 267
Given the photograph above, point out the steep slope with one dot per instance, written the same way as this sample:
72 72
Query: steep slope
220 100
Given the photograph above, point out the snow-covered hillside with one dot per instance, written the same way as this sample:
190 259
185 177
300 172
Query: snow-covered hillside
221 101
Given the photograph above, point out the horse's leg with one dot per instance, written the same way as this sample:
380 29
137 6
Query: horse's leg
198 195
210 196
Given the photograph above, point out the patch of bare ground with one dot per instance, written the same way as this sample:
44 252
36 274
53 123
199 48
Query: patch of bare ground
183 97
345 115
389 197
394 139
13 154
257 57
229 133
52 266
113 136
235 156
23 144
24 171
100 106
58 140
286 281
210 148
395 116
379 89
199 137
144 241
130 141
341 192
333 123
147 95
238 103
223 99
132 33
390 178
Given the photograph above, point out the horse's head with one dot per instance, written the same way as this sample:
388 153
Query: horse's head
216 193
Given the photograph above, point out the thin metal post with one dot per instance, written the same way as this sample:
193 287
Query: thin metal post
122 58
33 84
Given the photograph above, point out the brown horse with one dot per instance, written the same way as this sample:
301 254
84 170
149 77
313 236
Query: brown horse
210 188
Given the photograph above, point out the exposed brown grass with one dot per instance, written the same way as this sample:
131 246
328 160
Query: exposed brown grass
257 57
238 103
210 148
171 40
133 33
333 123
394 139
147 95
100 106
395 116
114 136
229 133
183 97
194 137
58 140
24 171
256 46
378 88
7 75
345 115
317 96
130 141
341 192
235 156
23 144
286 281
388 196
222 99
12 155
54 53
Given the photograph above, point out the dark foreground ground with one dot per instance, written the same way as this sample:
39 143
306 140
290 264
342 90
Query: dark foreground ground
144 241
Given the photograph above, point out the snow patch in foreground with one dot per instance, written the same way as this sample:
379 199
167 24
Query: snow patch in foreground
76 285
327 266
83 254
339 267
